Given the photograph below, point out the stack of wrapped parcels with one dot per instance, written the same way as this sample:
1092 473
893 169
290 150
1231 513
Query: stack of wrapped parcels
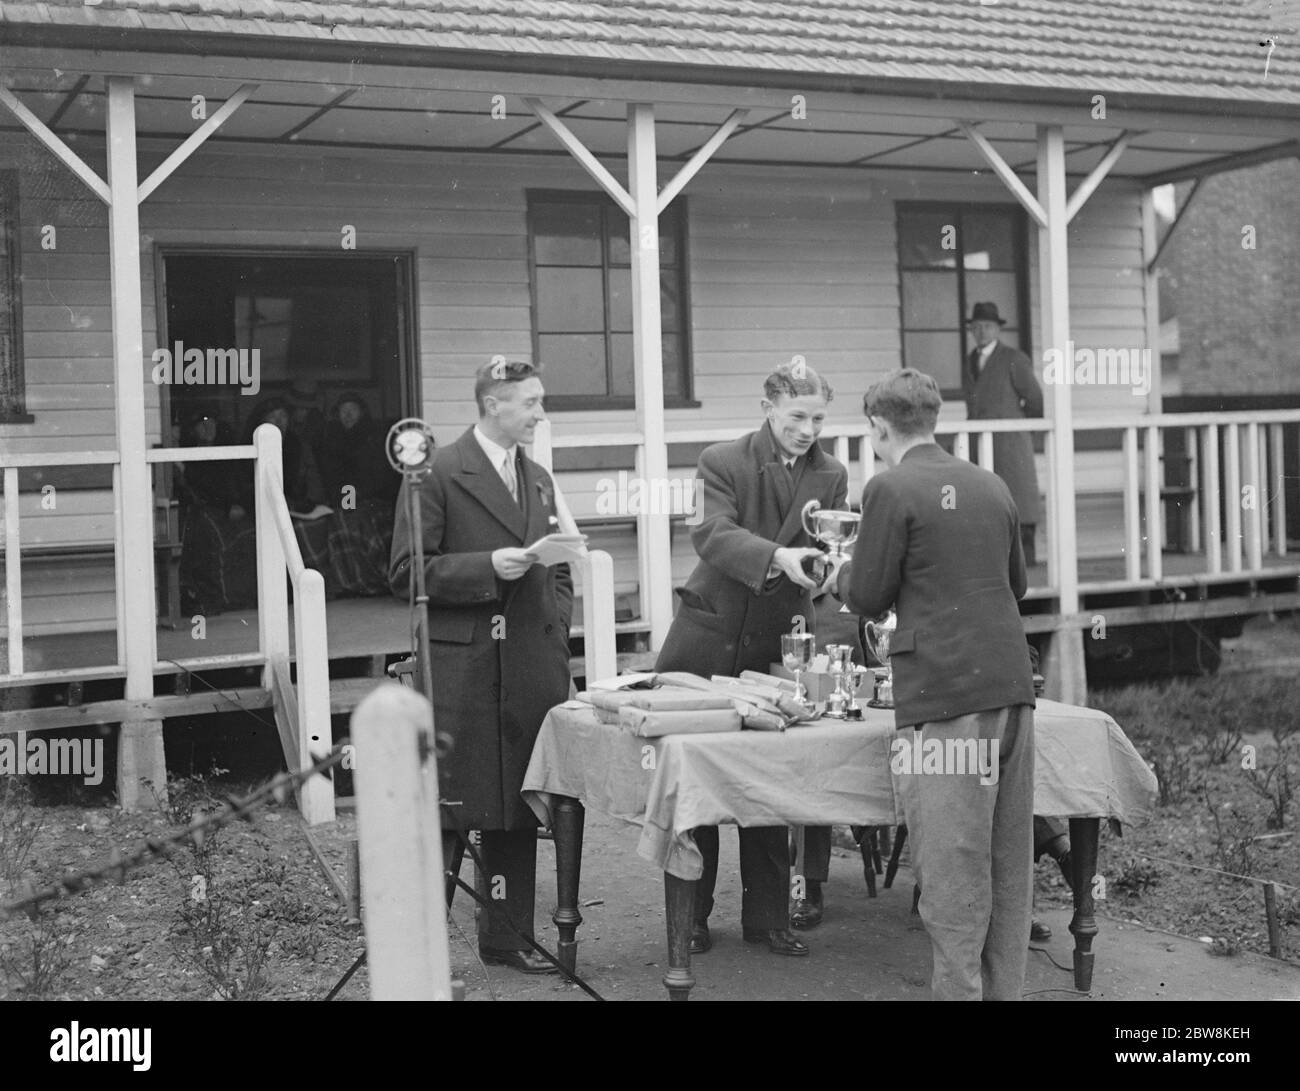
678 702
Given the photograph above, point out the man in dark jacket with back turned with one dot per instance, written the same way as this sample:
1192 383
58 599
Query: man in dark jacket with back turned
499 639
940 543
747 590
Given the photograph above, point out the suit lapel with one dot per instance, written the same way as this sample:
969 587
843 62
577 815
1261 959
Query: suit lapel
813 485
479 478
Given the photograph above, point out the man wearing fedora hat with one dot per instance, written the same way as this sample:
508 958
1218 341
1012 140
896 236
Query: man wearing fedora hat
999 383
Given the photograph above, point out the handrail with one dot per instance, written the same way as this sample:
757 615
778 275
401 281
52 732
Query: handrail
302 711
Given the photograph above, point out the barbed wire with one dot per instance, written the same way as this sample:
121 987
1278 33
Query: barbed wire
277 789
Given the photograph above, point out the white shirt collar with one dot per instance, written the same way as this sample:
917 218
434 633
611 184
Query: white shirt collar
987 349
496 454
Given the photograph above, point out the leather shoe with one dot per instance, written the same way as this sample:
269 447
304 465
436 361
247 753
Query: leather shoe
779 941
806 914
526 962
701 941
1038 931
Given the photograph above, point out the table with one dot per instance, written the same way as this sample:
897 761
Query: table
823 773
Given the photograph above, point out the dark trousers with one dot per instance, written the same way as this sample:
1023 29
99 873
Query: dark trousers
508 882
817 850
764 876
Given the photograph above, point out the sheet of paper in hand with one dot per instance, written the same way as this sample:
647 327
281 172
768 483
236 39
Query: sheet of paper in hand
559 549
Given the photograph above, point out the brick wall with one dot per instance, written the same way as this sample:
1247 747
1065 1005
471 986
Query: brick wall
1238 309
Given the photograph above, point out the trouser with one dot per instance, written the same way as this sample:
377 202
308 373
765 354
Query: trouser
1027 547
764 876
972 846
508 882
1051 836
816 864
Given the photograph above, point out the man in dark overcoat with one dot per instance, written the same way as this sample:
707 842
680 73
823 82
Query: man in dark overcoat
999 384
499 639
745 593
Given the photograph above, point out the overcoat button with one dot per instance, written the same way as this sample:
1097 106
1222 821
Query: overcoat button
745 641
550 628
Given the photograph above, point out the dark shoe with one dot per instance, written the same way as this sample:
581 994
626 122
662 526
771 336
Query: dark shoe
1039 932
779 941
526 962
806 913
701 941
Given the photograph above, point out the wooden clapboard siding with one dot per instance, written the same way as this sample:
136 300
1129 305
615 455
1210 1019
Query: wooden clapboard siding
49 589
780 262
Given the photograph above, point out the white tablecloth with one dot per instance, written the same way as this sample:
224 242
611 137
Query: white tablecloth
823 773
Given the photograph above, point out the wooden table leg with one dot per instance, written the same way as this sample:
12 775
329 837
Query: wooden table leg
679 906
1083 859
567 819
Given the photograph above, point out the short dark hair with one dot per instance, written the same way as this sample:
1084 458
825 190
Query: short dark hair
908 399
794 381
493 375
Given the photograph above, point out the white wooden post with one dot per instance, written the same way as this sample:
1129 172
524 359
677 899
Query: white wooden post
400 843
272 580
1213 501
315 733
1232 494
961 447
13 572
1192 437
986 452
1066 680
1253 513
1279 490
140 746
1132 514
1155 559
647 346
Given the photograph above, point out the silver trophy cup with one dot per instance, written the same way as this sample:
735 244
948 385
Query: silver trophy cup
837 529
877 636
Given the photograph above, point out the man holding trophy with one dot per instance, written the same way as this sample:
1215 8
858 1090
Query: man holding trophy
940 544
755 577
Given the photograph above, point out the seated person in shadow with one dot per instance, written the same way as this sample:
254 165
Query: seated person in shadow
218 544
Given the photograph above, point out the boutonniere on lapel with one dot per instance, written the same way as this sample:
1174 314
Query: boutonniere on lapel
548 501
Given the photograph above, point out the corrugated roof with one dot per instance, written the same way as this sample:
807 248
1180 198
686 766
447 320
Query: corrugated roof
1207 49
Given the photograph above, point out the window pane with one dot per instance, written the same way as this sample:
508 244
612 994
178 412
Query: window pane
620 300
575 364
937 354
988 239
566 234
569 301
930 301
921 236
624 371
999 288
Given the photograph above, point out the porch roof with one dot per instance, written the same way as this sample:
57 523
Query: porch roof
1204 49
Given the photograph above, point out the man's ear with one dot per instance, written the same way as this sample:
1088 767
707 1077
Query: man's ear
766 405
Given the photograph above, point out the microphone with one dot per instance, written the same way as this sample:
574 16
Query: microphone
409 447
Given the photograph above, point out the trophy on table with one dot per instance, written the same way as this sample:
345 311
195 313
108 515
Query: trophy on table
876 635
842 703
796 657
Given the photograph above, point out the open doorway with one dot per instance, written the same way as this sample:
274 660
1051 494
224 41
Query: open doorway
319 345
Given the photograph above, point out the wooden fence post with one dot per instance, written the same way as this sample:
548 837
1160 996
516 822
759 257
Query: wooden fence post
400 839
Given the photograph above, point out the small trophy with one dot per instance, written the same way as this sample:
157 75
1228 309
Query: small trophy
837 529
842 703
796 657
876 635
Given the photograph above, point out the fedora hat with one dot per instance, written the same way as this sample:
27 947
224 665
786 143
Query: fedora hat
986 312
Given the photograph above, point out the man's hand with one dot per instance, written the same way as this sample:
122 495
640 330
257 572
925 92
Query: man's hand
789 562
511 563
835 563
